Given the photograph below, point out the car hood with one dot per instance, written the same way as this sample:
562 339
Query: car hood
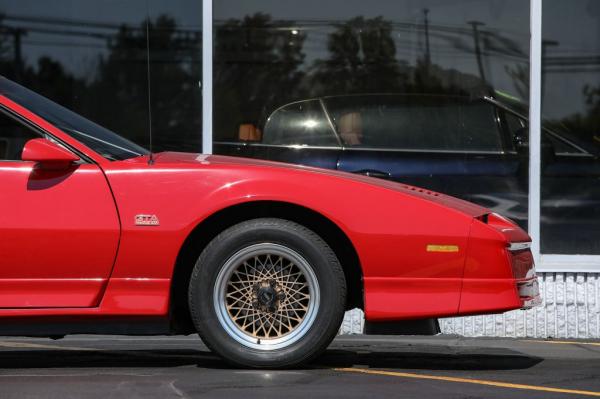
191 160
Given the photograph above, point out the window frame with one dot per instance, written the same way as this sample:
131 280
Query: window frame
545 262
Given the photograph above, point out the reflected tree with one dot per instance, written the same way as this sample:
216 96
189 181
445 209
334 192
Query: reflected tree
260 65
120 99
47 76
362 58
11 43
114 92
51 80
257 67
176 97
7 51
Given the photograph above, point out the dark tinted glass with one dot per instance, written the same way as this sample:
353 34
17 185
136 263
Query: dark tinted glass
13 136
415 123
269 53
570 191
96 137
562 146
302 123
92 57
515 125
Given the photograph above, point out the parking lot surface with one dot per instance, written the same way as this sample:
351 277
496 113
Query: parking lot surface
352 367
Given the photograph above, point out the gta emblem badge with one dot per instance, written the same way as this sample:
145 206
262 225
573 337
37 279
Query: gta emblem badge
146 220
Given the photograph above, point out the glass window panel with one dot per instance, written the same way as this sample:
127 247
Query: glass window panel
13 137
515 125
570 181
427 122
91 56
361 58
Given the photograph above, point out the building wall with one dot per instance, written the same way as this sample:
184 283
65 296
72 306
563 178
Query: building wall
570 309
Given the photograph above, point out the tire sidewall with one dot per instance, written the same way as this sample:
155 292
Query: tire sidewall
320 258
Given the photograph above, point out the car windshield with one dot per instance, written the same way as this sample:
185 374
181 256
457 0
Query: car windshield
106 143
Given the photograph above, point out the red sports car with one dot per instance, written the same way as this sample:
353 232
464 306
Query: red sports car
261 259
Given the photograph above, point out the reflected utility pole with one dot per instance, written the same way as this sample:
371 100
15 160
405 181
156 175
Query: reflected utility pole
476 25
427 52
17 33
545 44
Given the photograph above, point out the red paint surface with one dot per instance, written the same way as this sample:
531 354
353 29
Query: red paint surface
70 245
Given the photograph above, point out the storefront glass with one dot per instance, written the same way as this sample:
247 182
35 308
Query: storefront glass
570 172
422 92
92 57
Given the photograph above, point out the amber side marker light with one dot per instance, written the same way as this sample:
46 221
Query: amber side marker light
442 248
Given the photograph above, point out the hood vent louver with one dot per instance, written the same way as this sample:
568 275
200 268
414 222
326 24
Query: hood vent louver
483 218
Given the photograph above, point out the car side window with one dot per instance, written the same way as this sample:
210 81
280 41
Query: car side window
514 122
477 130
514 125
414 123
560 146
13 136
301 123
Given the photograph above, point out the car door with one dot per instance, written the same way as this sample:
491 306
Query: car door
299 133
448 144
59 229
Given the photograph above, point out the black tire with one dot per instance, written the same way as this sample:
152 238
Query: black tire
326 318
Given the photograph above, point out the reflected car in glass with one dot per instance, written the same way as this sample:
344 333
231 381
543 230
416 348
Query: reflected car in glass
261 259
474 148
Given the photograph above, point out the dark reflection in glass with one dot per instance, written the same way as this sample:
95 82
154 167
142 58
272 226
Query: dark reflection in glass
570 200
91 56
413 91
414 122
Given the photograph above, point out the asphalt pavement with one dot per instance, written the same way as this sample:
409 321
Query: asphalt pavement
353 367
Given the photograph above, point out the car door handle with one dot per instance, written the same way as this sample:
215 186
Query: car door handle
374 173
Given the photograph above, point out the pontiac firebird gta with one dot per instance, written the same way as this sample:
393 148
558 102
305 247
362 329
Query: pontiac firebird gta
261 259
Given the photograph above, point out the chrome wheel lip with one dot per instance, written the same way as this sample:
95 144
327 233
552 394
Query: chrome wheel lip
220 288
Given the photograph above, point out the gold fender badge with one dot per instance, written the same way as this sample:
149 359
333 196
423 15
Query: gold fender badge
442 248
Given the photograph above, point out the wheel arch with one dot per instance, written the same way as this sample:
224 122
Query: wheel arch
211 226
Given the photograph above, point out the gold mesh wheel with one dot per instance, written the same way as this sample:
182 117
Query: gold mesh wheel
266 296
